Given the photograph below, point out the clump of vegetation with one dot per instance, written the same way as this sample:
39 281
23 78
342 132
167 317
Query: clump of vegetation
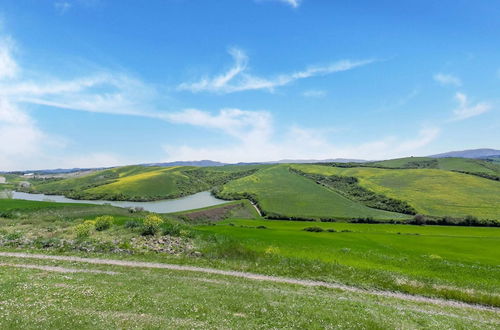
314 229
261 227
331 230
103 222
151 224
84 230
132 224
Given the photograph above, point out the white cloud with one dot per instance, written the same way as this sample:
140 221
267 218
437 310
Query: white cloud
447 79
240 124
291 3
314 93
8 66
236 79
62 7
257 141
466 110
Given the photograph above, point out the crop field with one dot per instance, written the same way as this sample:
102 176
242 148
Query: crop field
413 259
282 192
429 191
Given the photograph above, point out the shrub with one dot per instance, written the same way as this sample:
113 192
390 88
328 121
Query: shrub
418 219
151 224
83 230
261 227
331 230
132 224
171 229
471 221
103 222
314 229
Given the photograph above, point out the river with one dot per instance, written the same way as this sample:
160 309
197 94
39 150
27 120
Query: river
195 201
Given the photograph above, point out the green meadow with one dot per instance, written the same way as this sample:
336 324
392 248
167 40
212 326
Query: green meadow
159 299
279 191
413 259
429 191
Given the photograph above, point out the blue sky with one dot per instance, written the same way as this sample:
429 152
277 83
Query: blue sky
99 82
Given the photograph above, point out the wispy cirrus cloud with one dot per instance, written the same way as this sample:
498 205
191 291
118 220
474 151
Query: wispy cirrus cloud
447 79
62 7
291 3
237 78
316 93
466 110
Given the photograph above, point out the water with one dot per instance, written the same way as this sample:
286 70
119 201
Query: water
196 201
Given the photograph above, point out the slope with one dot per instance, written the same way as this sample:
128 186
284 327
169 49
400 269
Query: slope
282 193
429 191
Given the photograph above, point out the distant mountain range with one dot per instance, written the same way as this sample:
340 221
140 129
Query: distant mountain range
471 153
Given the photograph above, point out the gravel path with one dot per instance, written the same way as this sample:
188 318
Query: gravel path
252 276
59 269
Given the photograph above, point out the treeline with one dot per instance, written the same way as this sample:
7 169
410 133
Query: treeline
419 220
480 174
349 187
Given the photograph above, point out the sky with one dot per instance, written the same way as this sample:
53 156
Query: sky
91 83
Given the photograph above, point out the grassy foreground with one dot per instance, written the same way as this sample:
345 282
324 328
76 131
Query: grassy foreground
152 299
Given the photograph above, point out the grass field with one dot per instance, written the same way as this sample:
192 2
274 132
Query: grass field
450 164
287 194
413 259
133 298
429 191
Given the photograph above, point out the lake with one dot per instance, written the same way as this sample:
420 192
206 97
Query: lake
196 201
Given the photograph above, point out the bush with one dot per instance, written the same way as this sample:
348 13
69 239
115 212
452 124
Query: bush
331 230
314 229
132 224
151 224
261 227
418 219
103 222
171 229
83 230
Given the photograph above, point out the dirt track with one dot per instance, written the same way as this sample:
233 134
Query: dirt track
251 276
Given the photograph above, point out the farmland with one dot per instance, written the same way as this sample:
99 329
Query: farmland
287 194
429 191
357 260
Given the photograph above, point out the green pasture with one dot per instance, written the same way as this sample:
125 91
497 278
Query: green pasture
288 194
455 262
429 191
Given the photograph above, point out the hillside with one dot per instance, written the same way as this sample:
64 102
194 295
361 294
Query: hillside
281 193
140 183
471 153
472 166
429 191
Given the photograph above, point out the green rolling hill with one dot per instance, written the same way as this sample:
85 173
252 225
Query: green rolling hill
430 191
141 183
281 192
473 166
380 190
